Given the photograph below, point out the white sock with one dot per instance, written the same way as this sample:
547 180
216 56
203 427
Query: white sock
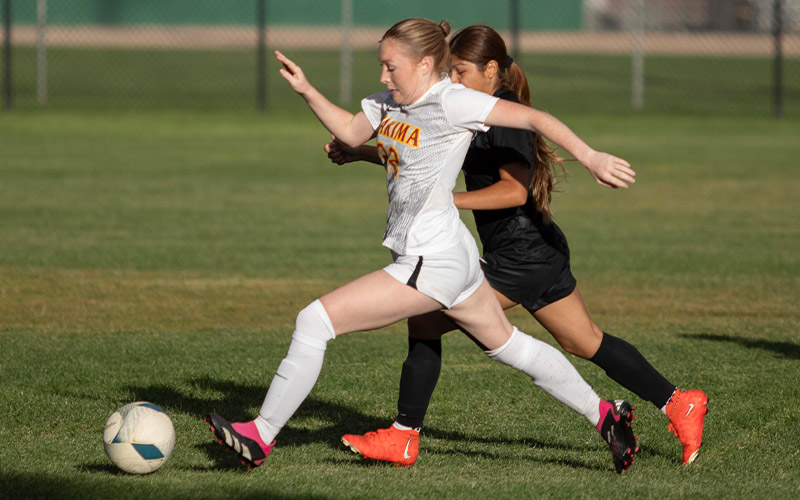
551 371
298 372
402 427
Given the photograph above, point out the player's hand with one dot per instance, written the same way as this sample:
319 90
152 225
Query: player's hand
610 171
293 74
339 152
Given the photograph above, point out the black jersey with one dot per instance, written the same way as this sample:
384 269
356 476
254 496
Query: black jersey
499 229
524 257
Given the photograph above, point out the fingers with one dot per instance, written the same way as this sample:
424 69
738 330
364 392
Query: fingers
614 172
290 69
334 145
335 153
293 74
623 168
606 184
612 183
620 161
623 171
617 179
337 157
287 63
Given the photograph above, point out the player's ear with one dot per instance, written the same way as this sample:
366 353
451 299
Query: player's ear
425 65
491 68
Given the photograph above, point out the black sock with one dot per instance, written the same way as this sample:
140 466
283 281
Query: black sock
626 365
418 380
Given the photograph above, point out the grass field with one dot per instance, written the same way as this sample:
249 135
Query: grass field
163 256
562 83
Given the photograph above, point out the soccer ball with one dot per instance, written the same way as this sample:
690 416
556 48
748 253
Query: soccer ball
139 437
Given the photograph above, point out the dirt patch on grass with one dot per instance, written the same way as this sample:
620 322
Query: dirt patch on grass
331 38
103 301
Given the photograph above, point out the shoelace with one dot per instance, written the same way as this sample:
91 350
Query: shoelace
677 396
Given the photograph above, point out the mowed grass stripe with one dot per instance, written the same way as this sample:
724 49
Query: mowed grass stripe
69 300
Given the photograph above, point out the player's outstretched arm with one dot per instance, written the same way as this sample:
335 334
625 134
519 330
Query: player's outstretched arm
351 129
606 169
340 153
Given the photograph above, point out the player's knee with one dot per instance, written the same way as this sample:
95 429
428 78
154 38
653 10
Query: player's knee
313 326
519 351
574 349
584 347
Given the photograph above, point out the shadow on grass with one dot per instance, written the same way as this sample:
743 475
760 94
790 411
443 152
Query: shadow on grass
24 485
102 468
237 401
785 349
563 462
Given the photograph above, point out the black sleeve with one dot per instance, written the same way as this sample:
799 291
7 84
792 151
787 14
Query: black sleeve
511 145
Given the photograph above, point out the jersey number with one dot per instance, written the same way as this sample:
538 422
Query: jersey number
389 157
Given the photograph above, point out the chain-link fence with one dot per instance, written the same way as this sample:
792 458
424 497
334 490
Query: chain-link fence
688 56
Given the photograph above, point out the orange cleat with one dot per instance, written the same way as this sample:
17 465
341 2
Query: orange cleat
686 411
393 445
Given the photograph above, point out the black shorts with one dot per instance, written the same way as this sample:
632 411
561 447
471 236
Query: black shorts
531 273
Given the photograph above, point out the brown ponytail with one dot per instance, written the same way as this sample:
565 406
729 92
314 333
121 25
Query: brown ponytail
480 44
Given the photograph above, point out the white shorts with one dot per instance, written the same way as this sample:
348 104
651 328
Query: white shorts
449 276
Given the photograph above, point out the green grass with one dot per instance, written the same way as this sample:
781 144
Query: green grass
562 83
164 255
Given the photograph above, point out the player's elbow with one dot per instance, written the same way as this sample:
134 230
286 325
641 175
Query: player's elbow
350 140
518 197
344 138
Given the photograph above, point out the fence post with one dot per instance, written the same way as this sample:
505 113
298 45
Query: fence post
637 54
777 9
346 54
261 55
515 26
7 74
41 51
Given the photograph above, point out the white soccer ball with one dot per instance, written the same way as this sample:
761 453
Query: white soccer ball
139 437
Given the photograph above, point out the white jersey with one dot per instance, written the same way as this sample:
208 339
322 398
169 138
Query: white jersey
422 146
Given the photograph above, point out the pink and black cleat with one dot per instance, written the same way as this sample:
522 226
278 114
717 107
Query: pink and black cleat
615 429
241 438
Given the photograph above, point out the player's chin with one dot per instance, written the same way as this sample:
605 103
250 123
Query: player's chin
397 96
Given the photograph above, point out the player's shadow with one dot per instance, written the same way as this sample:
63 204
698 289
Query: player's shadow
236 402
786 349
